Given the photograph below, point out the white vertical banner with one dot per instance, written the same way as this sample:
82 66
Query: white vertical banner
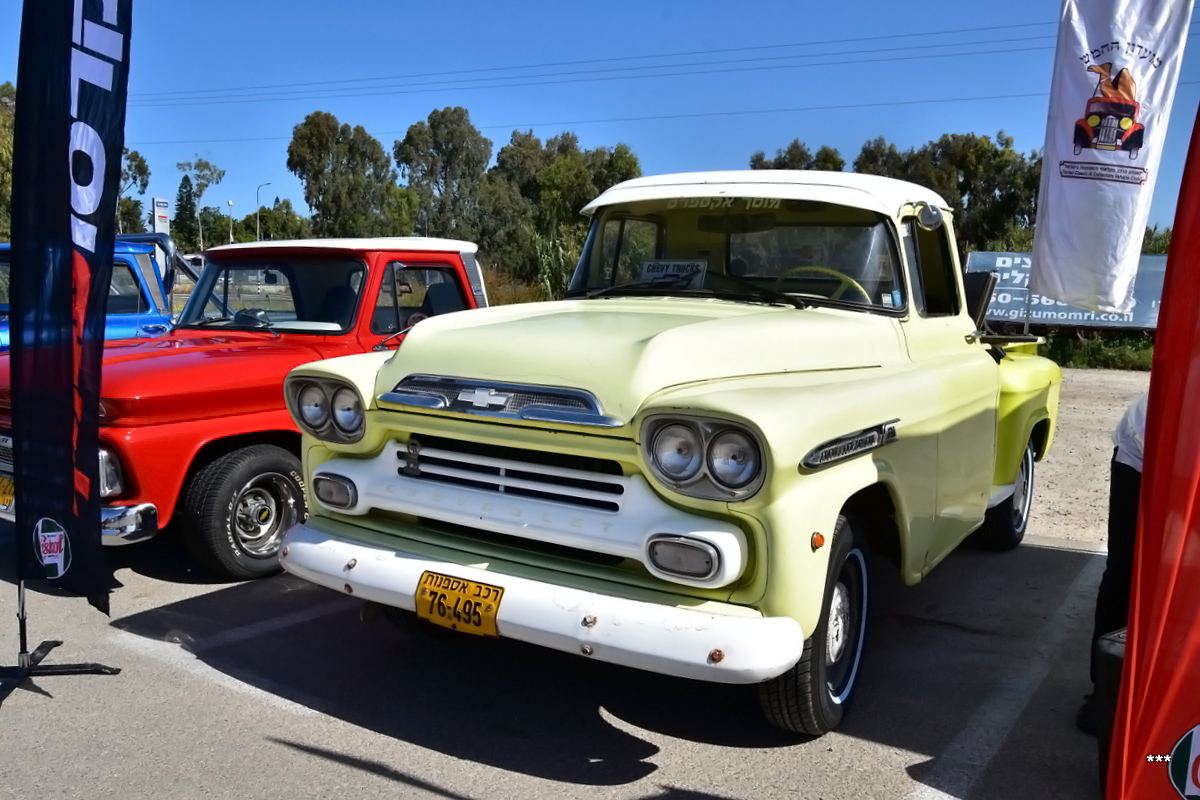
1115 72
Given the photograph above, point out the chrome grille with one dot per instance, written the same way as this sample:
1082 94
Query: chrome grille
1109 132
460 397
573 480
499 399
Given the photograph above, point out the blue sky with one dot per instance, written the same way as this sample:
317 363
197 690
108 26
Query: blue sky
864 73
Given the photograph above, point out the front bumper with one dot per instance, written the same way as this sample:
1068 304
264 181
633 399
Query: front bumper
656 637
118 524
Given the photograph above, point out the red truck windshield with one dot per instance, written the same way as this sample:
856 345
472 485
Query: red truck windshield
315 294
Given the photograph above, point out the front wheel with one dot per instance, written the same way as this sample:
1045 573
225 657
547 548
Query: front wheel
238 508
812 697
1005 523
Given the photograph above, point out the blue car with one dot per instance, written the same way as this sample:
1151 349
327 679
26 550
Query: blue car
138 302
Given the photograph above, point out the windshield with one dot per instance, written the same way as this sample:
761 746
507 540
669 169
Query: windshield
755 246
1111 109
307 294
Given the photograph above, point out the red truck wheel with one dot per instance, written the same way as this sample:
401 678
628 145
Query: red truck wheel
238 508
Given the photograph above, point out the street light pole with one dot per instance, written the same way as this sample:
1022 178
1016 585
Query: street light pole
230 220
200 229
257 208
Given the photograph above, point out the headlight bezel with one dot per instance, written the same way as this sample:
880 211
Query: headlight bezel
329 430
704 484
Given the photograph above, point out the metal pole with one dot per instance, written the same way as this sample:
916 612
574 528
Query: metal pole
23 656
257 208
200 228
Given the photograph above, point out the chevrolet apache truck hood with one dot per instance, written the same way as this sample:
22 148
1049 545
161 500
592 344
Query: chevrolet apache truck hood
625 349
188 375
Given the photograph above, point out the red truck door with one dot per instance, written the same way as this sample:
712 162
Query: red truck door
410 290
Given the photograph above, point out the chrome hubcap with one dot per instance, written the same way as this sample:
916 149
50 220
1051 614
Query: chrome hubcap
265 509
1022 493
838 627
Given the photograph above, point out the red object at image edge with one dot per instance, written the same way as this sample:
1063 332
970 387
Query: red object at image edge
1158 712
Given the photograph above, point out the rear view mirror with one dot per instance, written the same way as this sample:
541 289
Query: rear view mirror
930 217
405 288
270 277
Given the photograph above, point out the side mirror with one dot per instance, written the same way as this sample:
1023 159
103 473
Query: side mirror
405 288
930 217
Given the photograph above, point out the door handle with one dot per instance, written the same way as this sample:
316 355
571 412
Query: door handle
159 328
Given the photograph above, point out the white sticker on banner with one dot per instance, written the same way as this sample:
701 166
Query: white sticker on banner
1115 71
674 269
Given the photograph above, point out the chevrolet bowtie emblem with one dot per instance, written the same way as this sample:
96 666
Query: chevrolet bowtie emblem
483 398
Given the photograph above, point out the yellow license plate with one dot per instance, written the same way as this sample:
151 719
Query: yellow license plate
7 490
458 604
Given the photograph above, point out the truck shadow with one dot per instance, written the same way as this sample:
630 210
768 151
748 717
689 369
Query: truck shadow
936 652
163 558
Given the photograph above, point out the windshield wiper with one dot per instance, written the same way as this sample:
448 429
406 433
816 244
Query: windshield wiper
639 287
650 289
203 322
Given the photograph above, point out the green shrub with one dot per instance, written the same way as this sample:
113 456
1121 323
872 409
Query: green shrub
1117 350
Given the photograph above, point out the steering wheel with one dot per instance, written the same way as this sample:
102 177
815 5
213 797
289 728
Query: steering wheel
416 317
846 281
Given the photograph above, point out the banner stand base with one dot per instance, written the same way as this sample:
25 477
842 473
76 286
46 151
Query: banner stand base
29 665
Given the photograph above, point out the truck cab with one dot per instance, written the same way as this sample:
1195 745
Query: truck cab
138 304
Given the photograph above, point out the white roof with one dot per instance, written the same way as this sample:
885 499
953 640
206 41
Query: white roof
374 243
874 192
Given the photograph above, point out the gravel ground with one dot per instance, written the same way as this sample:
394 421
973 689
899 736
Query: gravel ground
1071 495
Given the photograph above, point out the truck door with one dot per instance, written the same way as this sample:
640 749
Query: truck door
129 314
411 291
967 385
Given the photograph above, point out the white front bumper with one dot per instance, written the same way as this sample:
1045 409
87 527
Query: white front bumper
676 641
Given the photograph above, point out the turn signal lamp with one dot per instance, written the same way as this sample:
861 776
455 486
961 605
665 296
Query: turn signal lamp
335 491
677 555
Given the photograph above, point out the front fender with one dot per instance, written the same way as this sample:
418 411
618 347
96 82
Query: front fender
792 414
1029 391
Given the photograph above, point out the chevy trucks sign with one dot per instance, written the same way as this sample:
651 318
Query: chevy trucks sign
1008 301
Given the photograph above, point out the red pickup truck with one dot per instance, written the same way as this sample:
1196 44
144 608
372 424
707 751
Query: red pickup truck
193 427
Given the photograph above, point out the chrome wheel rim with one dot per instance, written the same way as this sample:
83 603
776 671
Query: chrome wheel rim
1023 491
263 510
846 627
838 625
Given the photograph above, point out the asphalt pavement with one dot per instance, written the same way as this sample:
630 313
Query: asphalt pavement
277 688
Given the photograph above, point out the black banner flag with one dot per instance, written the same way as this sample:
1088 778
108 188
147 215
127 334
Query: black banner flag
72 77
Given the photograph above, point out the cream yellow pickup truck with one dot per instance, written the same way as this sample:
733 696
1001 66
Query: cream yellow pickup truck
758 383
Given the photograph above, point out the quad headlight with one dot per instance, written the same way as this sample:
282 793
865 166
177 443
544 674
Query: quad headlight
313 406
347 411
707 458
327 409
